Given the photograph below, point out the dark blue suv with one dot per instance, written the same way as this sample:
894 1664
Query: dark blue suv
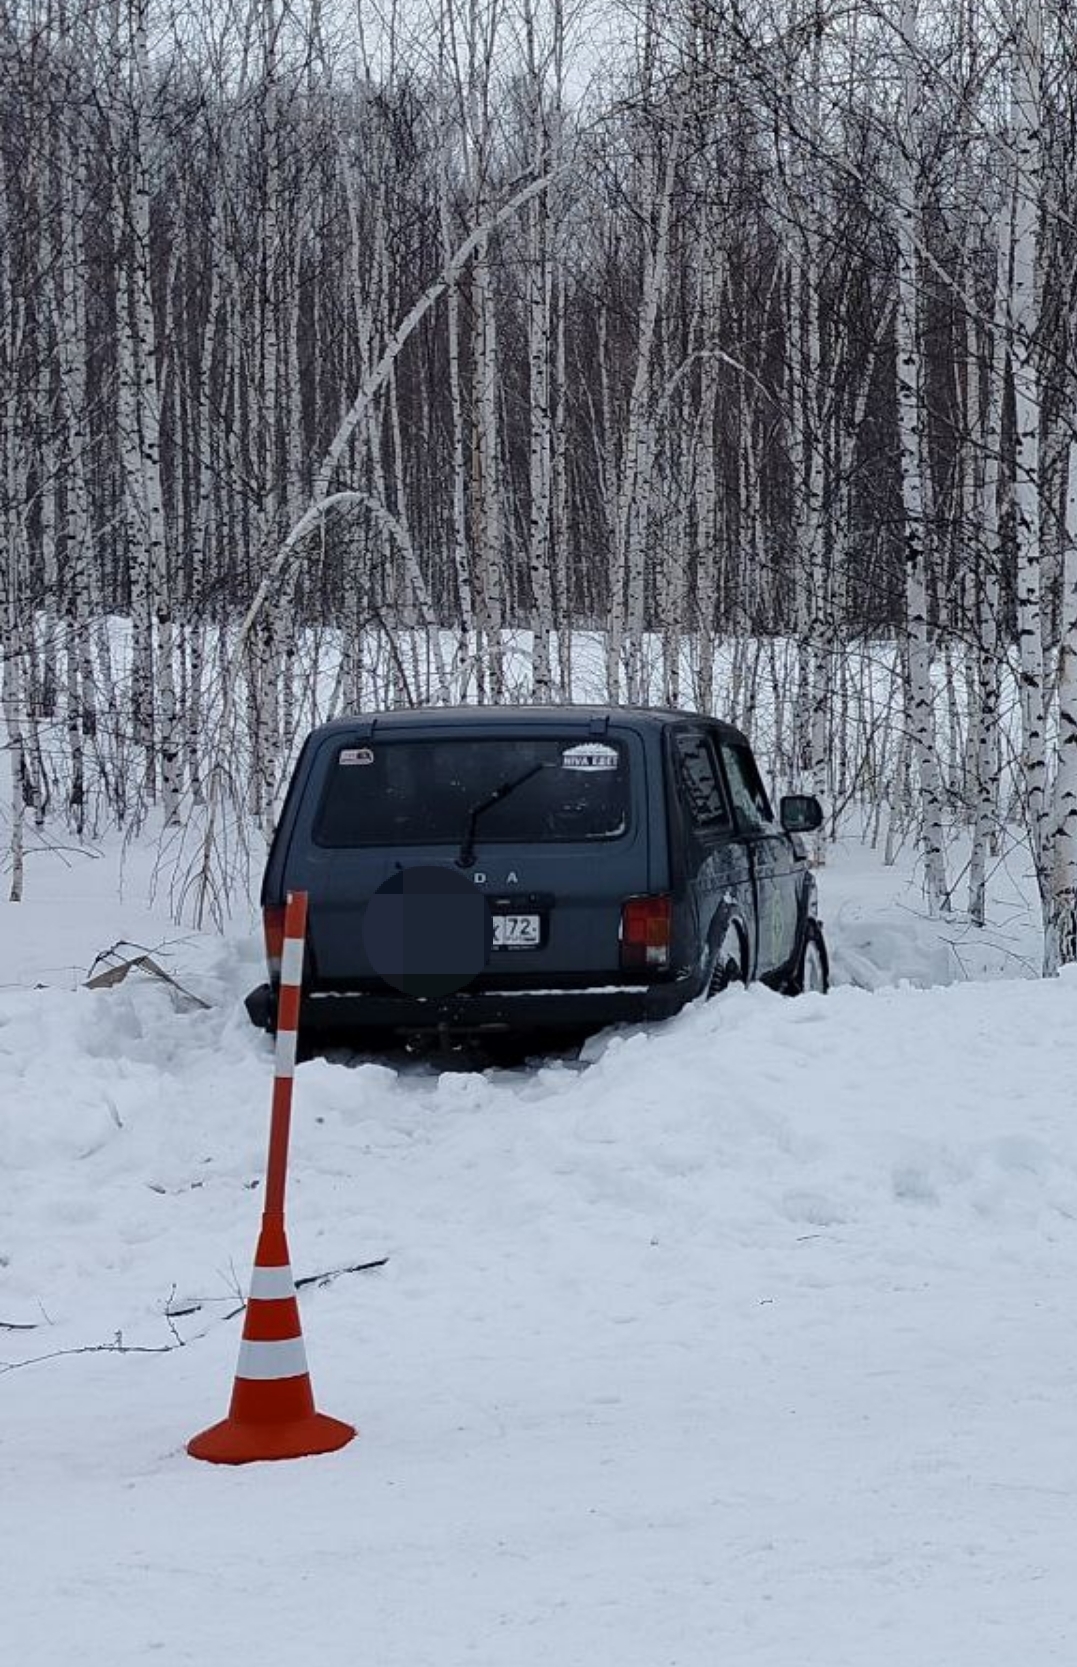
630 859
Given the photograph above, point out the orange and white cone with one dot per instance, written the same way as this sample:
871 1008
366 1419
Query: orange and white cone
272 1413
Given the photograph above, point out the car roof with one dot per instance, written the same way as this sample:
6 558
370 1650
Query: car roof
438 717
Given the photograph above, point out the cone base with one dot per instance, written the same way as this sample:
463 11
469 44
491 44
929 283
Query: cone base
232 1442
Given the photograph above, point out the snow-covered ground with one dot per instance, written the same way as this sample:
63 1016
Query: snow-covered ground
750 1339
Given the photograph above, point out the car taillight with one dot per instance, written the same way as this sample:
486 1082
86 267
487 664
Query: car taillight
273 927
645 931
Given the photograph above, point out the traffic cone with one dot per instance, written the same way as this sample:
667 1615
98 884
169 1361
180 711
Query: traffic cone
272 1413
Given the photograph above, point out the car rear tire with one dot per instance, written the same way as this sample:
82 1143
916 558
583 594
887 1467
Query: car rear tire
813 968
728 965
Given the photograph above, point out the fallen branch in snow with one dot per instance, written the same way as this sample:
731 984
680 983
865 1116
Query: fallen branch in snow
325 1278
335 1273
118 1346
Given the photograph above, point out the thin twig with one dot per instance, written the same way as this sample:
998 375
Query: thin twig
335 1273
118 1346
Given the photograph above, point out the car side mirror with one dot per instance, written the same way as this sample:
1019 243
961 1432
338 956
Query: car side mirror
801 813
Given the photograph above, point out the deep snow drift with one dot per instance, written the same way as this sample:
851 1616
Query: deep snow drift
750 1340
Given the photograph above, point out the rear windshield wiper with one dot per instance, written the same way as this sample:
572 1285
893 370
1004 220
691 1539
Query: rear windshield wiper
466 859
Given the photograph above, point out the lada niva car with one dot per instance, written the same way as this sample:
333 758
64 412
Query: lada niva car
629 858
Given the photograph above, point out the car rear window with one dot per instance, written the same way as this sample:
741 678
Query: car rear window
420 792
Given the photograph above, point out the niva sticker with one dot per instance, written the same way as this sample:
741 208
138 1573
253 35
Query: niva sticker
589 756
356 755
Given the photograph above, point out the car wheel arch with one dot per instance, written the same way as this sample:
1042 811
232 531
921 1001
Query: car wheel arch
814 939
807 918
728 929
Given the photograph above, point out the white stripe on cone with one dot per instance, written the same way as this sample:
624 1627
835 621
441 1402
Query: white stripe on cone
266 1361
272 1284
291 961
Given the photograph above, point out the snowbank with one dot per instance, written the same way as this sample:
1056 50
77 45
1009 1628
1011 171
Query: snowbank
751 1338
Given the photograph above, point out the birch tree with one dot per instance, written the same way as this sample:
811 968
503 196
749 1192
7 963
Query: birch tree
543 85
658 411
1027 23
911 416
1060 913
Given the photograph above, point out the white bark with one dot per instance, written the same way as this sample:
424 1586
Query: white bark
560 528
14 654
539 349
634 496
1027 60
911 411
267 642
1060 913
708 519
461 558
487 508
986 512
127 395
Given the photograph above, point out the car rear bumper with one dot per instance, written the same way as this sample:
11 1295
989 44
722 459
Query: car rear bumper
475 1012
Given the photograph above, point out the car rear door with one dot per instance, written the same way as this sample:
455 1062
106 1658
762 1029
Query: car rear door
774 862
716 863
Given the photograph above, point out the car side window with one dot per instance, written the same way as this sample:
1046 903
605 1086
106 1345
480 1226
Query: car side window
746 788
702 788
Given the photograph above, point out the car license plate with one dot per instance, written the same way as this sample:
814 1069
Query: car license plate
517 931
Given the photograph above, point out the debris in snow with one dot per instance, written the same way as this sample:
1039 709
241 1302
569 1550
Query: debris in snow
192 1305
116 969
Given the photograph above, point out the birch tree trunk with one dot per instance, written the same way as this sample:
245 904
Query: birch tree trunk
461 555
634 495
1060 912
539 347
1027 60
986 512
707 520
920 705
143 705
560 527
69 318
13 649
486 456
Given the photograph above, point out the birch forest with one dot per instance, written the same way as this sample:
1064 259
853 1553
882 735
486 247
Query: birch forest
718 354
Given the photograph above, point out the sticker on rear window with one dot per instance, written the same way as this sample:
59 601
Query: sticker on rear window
588 757
356 755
